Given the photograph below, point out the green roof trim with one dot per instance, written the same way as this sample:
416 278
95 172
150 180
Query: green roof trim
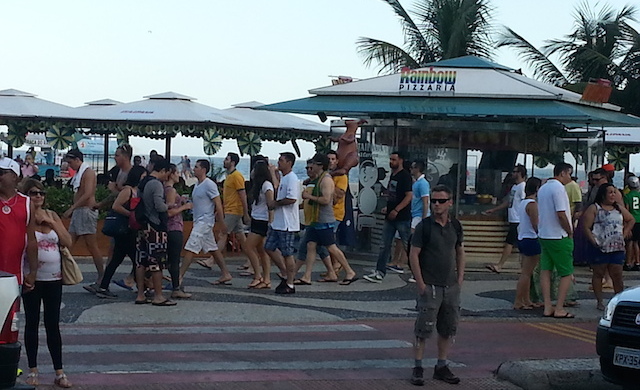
565 113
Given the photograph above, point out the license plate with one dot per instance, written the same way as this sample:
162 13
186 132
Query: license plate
626 357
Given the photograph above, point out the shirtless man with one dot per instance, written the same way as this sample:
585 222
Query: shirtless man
84 217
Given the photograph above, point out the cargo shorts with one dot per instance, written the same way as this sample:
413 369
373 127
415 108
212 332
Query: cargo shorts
439 306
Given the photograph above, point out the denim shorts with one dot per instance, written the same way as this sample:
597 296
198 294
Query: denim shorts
324 237
529 246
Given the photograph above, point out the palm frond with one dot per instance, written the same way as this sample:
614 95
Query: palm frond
543 69
456 27
630 64
390 57
414 39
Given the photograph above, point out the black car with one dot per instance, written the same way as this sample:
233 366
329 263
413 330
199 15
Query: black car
618 339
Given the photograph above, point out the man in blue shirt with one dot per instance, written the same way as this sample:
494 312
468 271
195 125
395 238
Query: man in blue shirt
420 200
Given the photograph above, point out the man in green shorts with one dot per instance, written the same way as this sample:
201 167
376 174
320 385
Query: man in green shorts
556 239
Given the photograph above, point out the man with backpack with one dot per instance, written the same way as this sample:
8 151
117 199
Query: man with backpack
151 242
437 261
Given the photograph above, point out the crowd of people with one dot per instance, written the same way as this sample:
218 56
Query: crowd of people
543 219
597 229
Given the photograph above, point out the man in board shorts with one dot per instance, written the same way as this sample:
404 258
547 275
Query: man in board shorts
556 239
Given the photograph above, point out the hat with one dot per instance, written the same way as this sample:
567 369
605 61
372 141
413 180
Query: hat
75 153
609 167
7 163
633 182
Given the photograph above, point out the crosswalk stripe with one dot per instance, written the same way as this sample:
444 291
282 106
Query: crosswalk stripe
160 366
145 330
229 347
562 333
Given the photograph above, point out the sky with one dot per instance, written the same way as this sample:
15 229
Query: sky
220 52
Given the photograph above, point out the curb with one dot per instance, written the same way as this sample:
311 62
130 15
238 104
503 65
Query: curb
556 374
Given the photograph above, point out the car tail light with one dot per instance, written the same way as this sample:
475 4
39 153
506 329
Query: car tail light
9 334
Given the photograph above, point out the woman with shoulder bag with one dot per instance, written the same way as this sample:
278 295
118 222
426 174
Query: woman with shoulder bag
124 244
606 226
50 234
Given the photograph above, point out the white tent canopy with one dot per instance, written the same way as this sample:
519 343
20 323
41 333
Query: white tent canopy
160 108
269 119
19 104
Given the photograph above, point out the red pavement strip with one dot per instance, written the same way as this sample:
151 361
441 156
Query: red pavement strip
480 346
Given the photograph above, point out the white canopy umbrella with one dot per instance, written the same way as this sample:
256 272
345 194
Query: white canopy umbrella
274 120
281 125
20 104
168 107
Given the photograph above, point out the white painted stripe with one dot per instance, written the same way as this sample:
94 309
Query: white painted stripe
194 329
227 347
244 366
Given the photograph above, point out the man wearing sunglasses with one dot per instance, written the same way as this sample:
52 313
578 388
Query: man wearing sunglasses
398 214
437 261
15 224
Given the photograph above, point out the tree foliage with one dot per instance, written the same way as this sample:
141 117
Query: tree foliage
433 31
602 44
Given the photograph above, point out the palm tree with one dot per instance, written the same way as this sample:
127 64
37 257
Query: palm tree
439 29
601 45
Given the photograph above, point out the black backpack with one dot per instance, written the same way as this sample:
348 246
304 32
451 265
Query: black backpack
426 231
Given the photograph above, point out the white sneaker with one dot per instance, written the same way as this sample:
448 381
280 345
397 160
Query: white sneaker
395 268
374 277
412 280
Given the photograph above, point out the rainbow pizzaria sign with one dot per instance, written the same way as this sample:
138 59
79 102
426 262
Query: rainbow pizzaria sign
427 80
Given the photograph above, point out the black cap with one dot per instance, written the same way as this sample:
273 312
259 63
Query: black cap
75 153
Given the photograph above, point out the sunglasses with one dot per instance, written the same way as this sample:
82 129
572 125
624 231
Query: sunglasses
441 201
35 193
307 168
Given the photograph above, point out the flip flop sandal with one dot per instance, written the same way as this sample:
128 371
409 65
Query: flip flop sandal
146 301
242 268
121 283
324 280
222 283
62 381
566 315
32 379
346 282
246 273
262 285
202 263
166 302
492 268
254 283
300 282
